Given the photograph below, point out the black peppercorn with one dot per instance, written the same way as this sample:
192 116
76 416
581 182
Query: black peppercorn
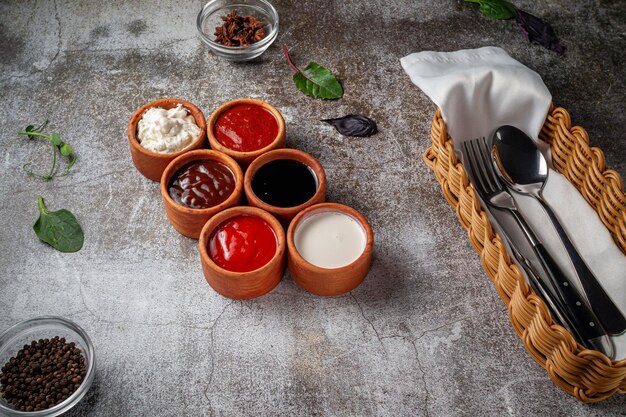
43 374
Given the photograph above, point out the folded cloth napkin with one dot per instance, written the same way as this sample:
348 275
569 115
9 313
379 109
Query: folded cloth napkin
479 90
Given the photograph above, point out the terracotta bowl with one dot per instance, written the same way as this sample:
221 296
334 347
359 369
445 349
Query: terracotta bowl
152 164
285 214
189 221
243 285
329 281
245 158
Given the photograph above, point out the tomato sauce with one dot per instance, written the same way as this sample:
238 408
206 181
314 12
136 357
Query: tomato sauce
246 128
242 244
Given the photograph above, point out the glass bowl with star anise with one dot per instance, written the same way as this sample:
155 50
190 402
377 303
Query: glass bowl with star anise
238 30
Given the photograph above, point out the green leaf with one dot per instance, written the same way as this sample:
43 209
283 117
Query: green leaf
66 149
318 82
55 138
59 229
29 129
496 9
315 81
57 145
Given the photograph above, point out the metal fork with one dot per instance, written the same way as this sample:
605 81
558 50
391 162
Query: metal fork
576 313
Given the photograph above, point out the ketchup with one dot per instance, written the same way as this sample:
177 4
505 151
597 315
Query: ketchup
246 128
242 244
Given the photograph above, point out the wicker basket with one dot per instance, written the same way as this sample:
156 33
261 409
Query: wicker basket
586 374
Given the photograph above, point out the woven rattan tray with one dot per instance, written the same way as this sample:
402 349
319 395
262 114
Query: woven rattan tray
586 374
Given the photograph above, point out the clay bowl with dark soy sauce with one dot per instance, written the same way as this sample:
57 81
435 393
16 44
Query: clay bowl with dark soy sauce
284 182
250 283
183 210
247 121
319 277
152 164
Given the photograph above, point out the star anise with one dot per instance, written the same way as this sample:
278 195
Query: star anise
239 31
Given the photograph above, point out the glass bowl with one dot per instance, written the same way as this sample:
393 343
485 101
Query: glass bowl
210 17
14 339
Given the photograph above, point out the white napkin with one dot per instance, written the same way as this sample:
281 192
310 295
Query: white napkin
479 90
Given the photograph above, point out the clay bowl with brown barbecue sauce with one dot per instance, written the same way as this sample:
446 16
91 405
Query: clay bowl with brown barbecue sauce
285 214
245 158
243 285
152 164
189 221
329 281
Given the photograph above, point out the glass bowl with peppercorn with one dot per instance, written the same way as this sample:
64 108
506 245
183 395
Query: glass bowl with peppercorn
238 30
47 365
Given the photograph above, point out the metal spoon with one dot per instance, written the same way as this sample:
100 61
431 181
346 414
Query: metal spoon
520 164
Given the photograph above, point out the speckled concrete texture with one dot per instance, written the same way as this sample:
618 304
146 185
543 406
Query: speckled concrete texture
424 335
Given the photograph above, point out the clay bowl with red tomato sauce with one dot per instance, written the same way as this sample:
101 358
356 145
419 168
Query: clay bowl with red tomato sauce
189 193
246 128
152 164
243 252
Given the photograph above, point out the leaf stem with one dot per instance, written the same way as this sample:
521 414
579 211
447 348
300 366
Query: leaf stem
54 160
41 205
34 134
67 168
289 61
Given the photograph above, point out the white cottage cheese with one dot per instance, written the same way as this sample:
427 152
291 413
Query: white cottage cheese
167 131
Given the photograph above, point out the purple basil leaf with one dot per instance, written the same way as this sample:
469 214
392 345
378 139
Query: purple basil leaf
538 32
353 125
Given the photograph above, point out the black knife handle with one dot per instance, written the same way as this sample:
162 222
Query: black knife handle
609 315
579 313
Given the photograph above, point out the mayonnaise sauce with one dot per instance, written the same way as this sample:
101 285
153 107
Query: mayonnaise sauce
167 131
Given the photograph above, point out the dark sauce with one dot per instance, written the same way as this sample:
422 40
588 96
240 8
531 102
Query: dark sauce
284 183
202 184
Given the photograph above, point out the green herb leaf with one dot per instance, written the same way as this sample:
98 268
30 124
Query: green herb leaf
315 81
55 138
57 145
66 150
32 128
59 229
496 9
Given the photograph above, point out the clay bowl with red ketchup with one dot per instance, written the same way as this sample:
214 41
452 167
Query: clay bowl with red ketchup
329 248
152 164
246 128
197 185
284 182
243 252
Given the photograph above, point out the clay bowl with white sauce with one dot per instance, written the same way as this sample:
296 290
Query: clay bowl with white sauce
284 185
243 283
329 248
245 157
189 220
151 164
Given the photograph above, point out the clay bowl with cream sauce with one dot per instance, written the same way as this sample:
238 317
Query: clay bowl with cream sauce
187 220
328 272
245 128
152 164
280 186
251 283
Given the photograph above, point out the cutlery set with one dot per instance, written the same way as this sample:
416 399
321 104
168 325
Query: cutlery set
507 162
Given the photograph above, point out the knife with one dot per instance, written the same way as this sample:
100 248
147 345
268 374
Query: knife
599 340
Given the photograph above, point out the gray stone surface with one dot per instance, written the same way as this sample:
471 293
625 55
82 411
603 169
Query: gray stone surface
425 334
